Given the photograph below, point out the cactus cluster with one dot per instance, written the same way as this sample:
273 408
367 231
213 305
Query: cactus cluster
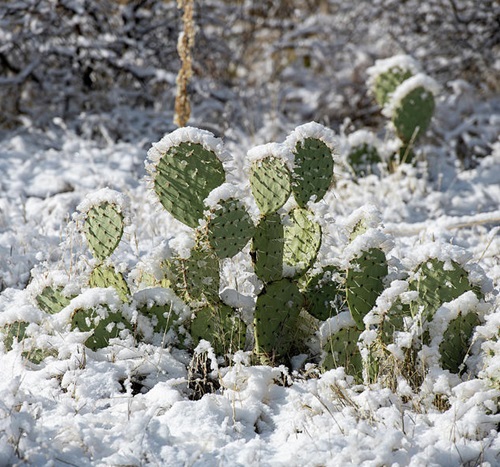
344 314
407 96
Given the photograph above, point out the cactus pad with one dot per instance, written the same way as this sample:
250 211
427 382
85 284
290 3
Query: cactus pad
324 295
342 350
313 172
106 276
437 283
363 159
219 325
184 177
103 229
276 312
302 242
229 228
51 299
197 277
365 282
456 341
387 82
413 114
267 248
104 324
270 184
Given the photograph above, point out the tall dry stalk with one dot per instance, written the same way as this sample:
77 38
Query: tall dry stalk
184 46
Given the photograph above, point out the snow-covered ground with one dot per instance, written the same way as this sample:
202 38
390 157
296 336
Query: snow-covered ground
130 405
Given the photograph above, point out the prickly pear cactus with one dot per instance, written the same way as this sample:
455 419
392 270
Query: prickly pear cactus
438 282
106 276
388 74
302 242
412 114
185 167
229 228
103 229
196 278
365 282
363 159
340 347
52 300
276 312
267 248
312 147
99 319
219 325
13 332
270 184
325 293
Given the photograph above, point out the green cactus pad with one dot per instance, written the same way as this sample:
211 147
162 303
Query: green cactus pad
162 316
51 299
276 312
229 228
412 116
270 184
267 248
105 325
302 242
325 297
386 83
365 282
219 325
196 278
437 283
13 332
342 351
106 276
184 177
313 172
363 159
103 229
456 341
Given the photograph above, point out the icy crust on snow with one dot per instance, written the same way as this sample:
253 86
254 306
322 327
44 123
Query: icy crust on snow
228 191
372 238
105 195
404 62
312 130
407 86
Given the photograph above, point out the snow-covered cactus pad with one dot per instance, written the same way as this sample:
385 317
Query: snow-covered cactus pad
340 345
106 276
325 293
365 282
99 312
412 107
267 248
185 167
103 214
197 277
229 228
302 242
221 326
364 153
312 146
387 74
52 299
270 177
276 312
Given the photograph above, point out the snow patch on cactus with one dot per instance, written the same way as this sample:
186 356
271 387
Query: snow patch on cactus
417 81
104 195
312 130
404 62
334 324
278 150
